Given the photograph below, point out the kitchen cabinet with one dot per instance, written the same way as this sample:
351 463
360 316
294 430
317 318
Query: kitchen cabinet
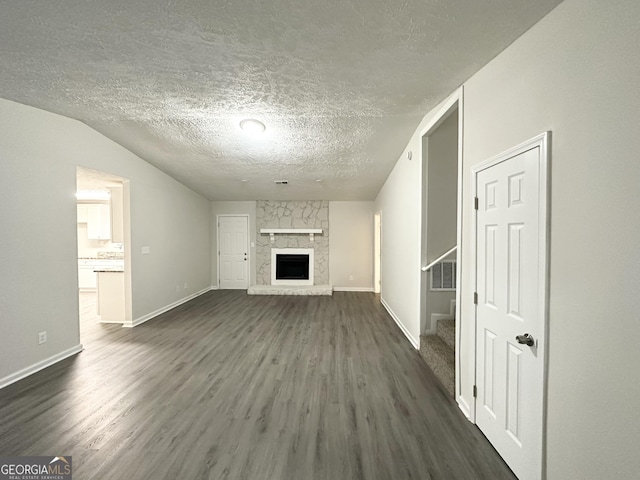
86 277
110 304
82 213
117 215
98 221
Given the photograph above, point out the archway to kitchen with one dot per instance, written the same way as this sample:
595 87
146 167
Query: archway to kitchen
104 254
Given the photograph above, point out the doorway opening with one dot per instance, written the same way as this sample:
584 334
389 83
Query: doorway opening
440 238
103 240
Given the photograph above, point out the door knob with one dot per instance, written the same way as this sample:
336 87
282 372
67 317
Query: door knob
525 339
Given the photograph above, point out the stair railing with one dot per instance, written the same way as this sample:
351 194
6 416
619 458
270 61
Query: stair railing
440 258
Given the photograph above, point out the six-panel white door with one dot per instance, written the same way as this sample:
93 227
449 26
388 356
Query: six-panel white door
510 374
233 248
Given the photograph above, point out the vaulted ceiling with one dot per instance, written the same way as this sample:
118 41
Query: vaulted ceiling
339 84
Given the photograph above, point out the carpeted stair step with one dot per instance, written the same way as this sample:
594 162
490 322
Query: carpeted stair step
446 329
440 358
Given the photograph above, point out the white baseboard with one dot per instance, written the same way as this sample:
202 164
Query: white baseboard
464 407
213 287
36 367
413 341
353 289
166 308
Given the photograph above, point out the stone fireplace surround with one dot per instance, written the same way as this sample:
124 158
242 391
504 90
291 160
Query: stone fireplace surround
292 215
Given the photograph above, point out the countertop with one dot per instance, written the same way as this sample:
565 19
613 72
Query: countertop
102 258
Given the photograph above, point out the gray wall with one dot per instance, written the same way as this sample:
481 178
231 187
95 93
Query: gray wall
39 153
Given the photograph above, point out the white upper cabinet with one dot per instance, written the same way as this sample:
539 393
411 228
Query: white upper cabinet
82 213
98 222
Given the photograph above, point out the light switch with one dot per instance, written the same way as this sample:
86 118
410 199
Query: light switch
253 244
146 250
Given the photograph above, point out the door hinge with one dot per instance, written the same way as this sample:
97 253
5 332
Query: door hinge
475 391
475 203
475 298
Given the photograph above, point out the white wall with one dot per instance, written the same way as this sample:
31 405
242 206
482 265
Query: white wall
442 191
351 245
39 153
350 251
577 74
441 219
574 73
400 201
233 208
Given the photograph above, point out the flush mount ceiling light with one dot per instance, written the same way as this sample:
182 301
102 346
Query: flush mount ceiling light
252 126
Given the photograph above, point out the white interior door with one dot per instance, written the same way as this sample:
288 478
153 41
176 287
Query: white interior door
511 284
233 267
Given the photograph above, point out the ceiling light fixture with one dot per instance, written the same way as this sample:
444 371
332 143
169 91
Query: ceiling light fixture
252 126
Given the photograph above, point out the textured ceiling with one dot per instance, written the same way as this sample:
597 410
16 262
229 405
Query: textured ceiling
340 85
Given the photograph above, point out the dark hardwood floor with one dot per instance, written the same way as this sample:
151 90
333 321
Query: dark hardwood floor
230 386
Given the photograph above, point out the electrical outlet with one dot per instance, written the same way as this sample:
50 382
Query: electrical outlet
42 338
350 277
146 250
186 285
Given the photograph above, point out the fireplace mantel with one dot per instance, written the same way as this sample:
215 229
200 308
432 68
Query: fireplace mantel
272 232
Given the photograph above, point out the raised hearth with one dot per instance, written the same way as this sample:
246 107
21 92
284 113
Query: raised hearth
290 290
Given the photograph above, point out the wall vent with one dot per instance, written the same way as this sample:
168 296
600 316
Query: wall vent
281 182
443 276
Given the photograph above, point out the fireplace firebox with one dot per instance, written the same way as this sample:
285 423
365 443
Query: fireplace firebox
292 266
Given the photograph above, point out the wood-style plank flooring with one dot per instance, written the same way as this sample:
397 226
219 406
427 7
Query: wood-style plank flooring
230 386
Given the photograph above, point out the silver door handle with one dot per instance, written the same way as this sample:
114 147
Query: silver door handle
525 339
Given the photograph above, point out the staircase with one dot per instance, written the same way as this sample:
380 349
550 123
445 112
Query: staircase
439 352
